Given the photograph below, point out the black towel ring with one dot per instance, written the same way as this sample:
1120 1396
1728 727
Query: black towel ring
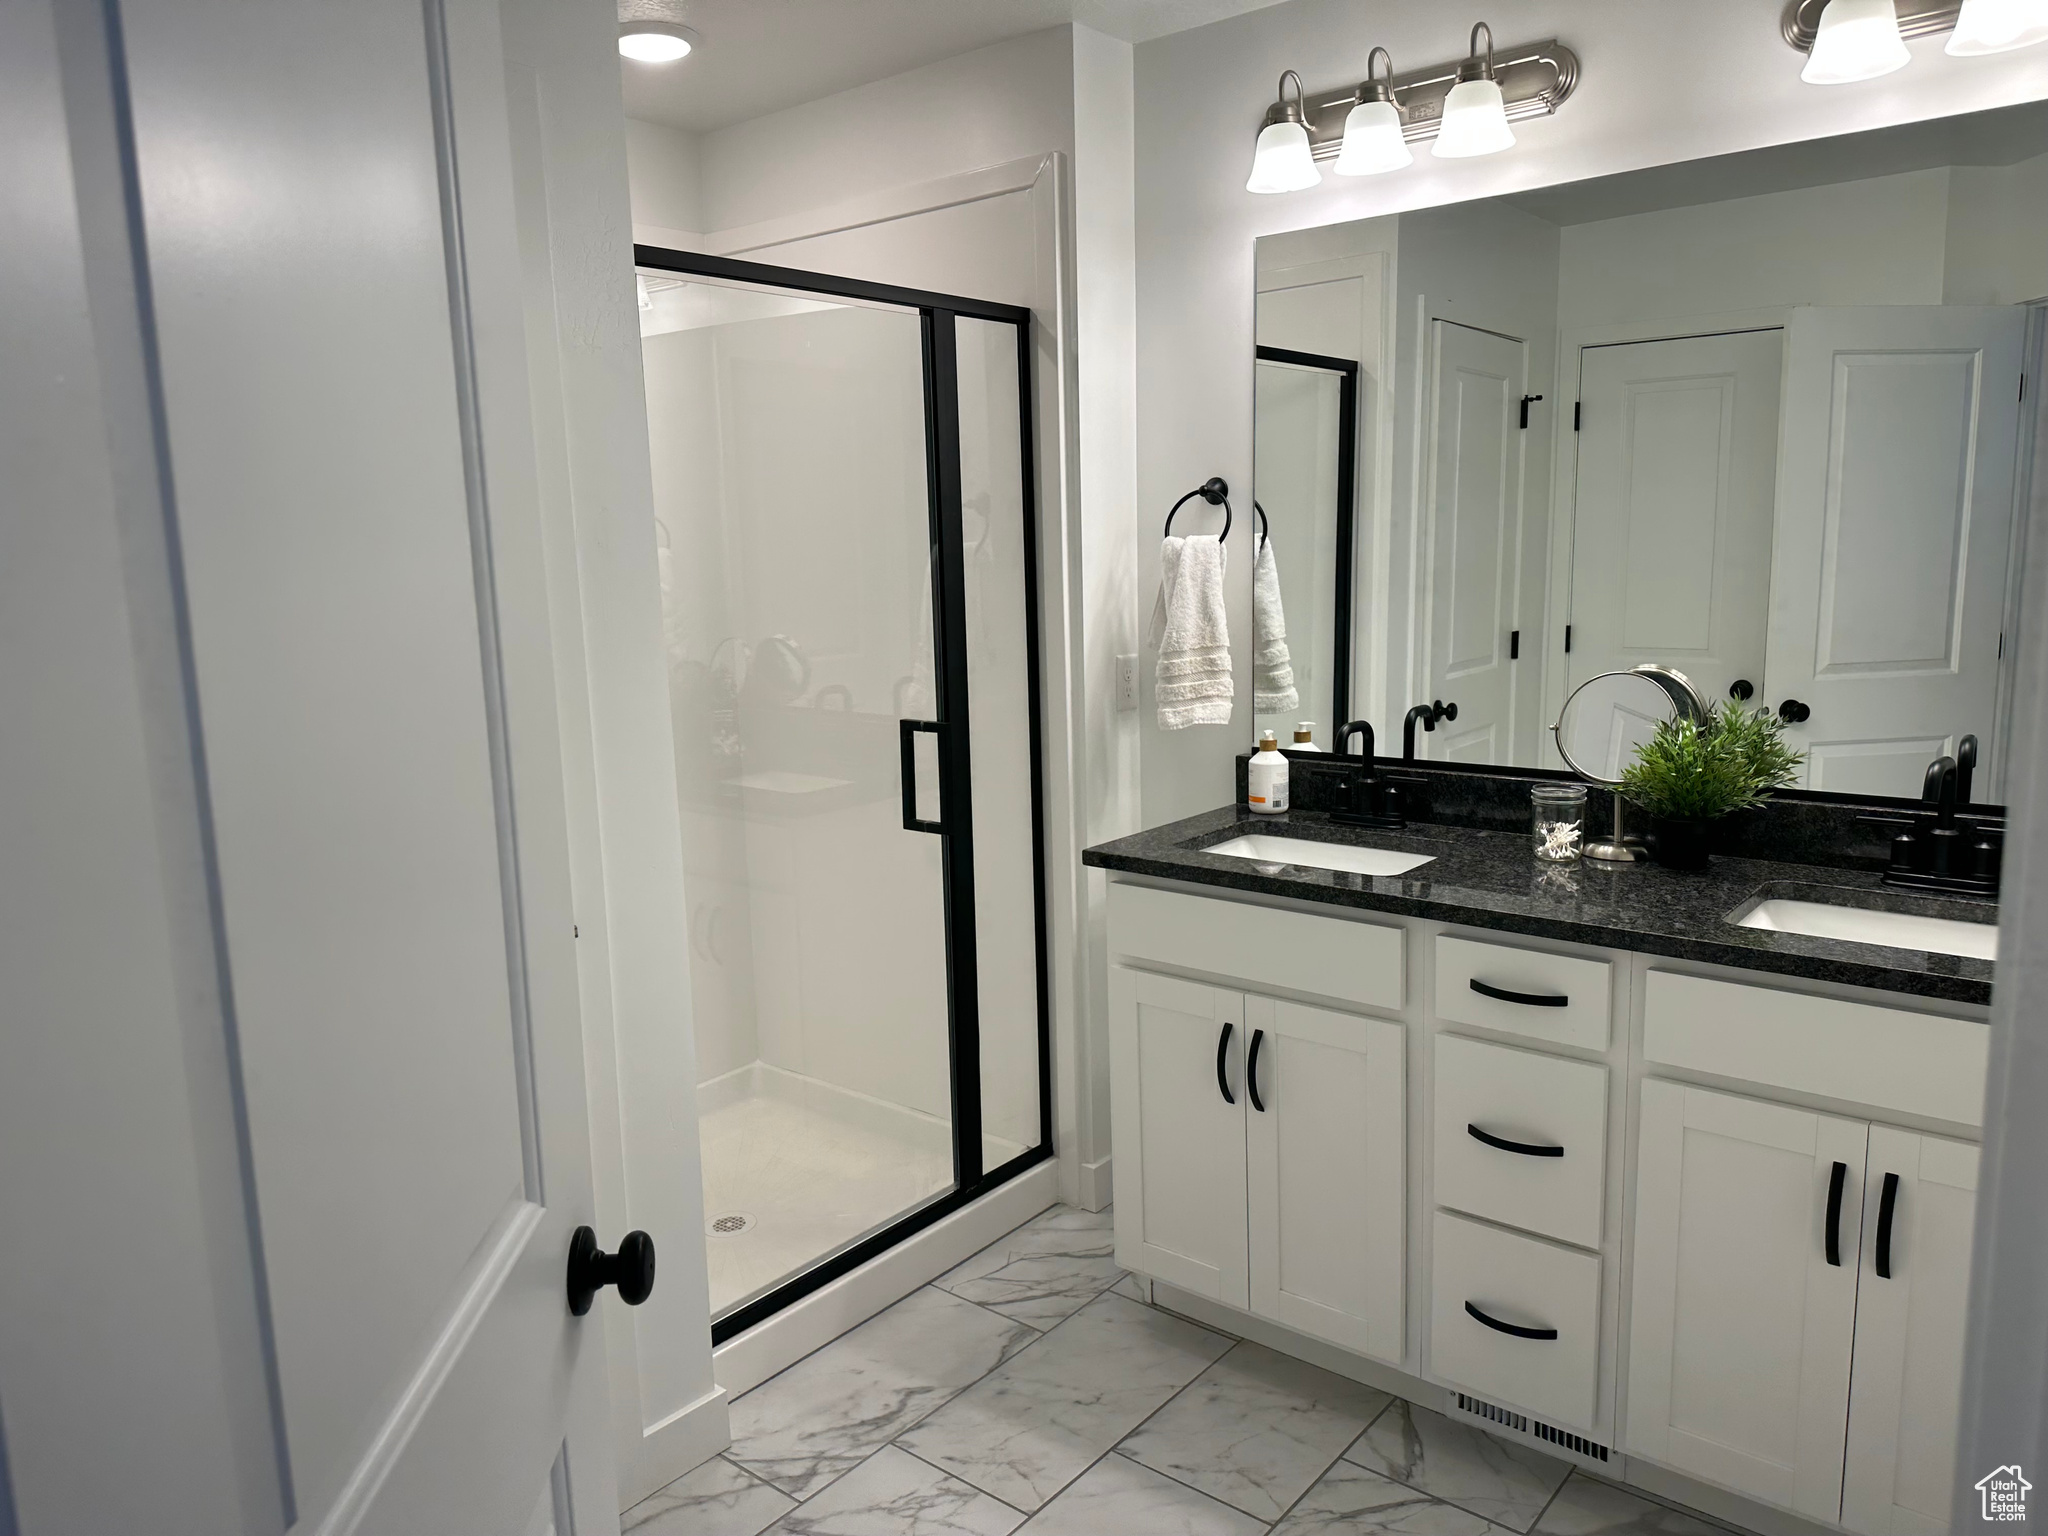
1265 528
1216 493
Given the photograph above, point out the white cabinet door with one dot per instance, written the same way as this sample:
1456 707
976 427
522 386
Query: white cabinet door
1739 1339
1911 1306
1176 1085
1671 542
1325 1141
1894 531
1475 541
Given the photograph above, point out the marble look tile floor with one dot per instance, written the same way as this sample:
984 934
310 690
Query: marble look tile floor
1034 1390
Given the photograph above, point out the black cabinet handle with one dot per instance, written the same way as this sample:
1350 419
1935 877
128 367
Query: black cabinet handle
1836 1181
1887 1204
1222 1060
1251 1070
631 1269
1526 1148
1792 712
1514 1328
907 735
1526 999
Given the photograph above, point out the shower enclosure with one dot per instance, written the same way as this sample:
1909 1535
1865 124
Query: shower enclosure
842 479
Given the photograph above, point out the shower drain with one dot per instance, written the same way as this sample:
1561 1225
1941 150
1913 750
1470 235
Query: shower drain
731 1224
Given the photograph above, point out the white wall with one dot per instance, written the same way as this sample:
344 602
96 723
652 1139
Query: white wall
1879 241
665 175
1998 234
1661 83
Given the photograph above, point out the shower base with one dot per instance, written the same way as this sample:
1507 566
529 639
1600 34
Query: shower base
796 1169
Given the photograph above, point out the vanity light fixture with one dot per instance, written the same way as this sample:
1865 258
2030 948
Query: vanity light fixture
1475 112
1373 141
1856 40
1849 40
1283 161
1998 26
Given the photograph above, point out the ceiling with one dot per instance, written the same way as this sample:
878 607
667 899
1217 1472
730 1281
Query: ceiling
759 56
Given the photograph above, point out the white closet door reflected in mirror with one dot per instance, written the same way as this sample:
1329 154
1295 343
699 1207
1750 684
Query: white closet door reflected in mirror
1758 418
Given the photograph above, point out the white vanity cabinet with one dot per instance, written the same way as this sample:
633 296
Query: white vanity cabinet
1261 1142
1800 1280
1615 1206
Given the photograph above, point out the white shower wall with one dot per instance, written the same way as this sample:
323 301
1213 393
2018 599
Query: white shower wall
789 486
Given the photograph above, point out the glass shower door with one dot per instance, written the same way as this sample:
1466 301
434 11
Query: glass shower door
844 524
789 453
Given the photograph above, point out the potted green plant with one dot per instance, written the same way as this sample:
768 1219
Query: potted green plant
1692 773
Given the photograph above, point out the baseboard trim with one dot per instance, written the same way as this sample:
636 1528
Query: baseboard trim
1342 1362
1097 1187
751 1358
683 1441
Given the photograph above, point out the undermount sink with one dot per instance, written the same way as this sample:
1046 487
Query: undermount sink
1341 856
1866 925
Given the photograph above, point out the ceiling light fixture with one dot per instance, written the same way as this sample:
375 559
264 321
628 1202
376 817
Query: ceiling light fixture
655 42
1475 112
1856 40
1998 26
1283 161
1373 140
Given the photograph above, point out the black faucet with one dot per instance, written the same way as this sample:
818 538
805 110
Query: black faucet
1934 850
1428 714
1368 800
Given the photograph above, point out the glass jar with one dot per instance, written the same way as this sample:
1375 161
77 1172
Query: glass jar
1557 815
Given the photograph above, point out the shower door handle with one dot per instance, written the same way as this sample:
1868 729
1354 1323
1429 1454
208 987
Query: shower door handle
908 730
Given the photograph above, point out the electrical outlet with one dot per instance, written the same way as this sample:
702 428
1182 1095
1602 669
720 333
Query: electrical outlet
1127 682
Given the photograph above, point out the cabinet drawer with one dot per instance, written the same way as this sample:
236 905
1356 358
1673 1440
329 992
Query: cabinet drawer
1295 951
1534 1103
1889 1058
1560 998
1519 1282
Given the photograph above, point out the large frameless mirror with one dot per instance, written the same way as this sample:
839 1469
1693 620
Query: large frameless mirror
1757 418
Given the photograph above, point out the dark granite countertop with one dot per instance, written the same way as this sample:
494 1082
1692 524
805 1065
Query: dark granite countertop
1487 879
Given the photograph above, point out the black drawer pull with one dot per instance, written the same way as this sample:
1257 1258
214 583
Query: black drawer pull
1222 1065
1526 999
1251 1070
1514 1328
1887 1206
1526 1148
1836 1180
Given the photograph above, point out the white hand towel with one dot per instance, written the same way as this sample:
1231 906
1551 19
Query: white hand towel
1193 639
1273 689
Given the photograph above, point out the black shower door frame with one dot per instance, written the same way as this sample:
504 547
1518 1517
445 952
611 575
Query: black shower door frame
938 313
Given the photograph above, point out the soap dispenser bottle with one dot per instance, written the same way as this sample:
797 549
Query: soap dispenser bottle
1265 789
1305 736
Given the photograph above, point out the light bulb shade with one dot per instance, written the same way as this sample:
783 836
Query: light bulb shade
1857 40
1475 121
1997 26
1283 162
654 42
1372 141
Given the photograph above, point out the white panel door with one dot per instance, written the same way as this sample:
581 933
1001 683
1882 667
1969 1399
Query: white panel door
1671 533
1739 1337
328 586
1176 1084
1912 1307
1894 533
1473 548
1325 1144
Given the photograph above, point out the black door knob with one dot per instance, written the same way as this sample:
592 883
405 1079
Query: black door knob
1792 712
1741 689
591 1269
